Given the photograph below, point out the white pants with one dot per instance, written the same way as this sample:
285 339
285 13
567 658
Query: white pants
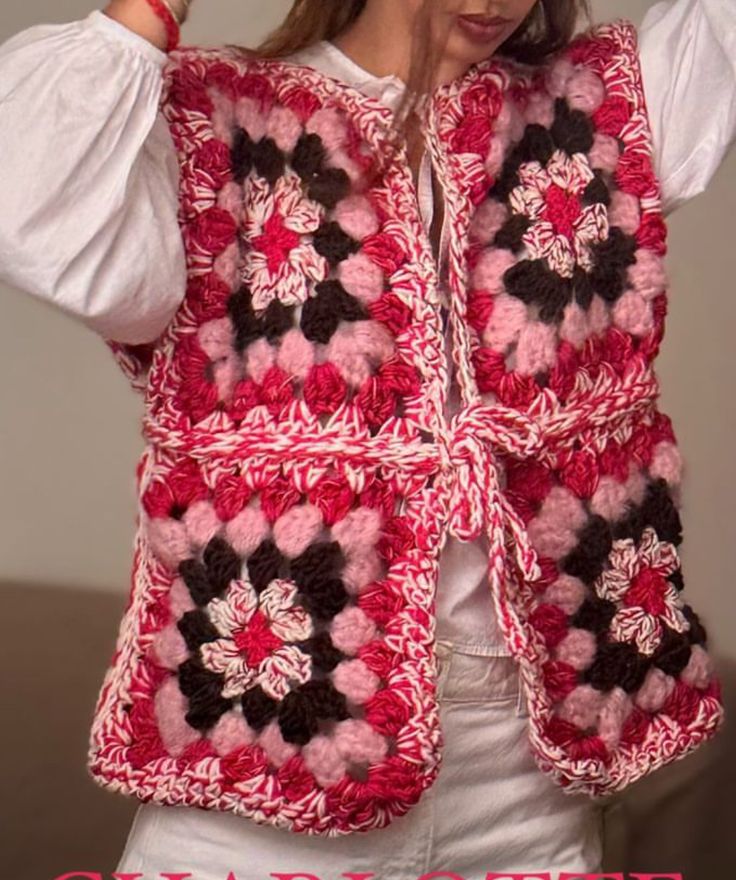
490 808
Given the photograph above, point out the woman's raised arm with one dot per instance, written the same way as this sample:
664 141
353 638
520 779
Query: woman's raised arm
688 60
89 182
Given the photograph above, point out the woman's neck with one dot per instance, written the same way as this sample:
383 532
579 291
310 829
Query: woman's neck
380 41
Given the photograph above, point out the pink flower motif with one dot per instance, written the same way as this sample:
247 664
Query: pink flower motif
562 227
281 260
637 580
257 635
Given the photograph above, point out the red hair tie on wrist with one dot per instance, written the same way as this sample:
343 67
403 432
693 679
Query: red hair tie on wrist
172 23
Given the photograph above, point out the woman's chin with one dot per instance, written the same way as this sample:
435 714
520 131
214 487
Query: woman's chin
464 52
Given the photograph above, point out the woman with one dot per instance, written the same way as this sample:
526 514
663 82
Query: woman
490 809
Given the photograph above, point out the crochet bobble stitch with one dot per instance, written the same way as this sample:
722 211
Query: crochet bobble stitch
278 660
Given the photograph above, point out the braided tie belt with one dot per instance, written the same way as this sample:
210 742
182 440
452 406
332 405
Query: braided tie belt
464 456
470 463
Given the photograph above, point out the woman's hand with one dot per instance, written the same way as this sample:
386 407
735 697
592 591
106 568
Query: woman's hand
140 17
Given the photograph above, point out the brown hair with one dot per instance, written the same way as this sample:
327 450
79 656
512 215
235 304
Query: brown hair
547 28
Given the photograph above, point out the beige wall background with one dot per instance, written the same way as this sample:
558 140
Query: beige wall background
69 439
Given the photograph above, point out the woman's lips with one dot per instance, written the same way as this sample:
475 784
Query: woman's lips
481 28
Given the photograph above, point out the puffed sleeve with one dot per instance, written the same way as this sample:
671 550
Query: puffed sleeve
89 182
688 61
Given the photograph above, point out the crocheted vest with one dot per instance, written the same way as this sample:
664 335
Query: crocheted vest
300 475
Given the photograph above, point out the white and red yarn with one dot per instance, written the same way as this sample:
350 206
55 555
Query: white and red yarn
277 657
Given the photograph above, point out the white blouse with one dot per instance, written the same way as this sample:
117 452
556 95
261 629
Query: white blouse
89 190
